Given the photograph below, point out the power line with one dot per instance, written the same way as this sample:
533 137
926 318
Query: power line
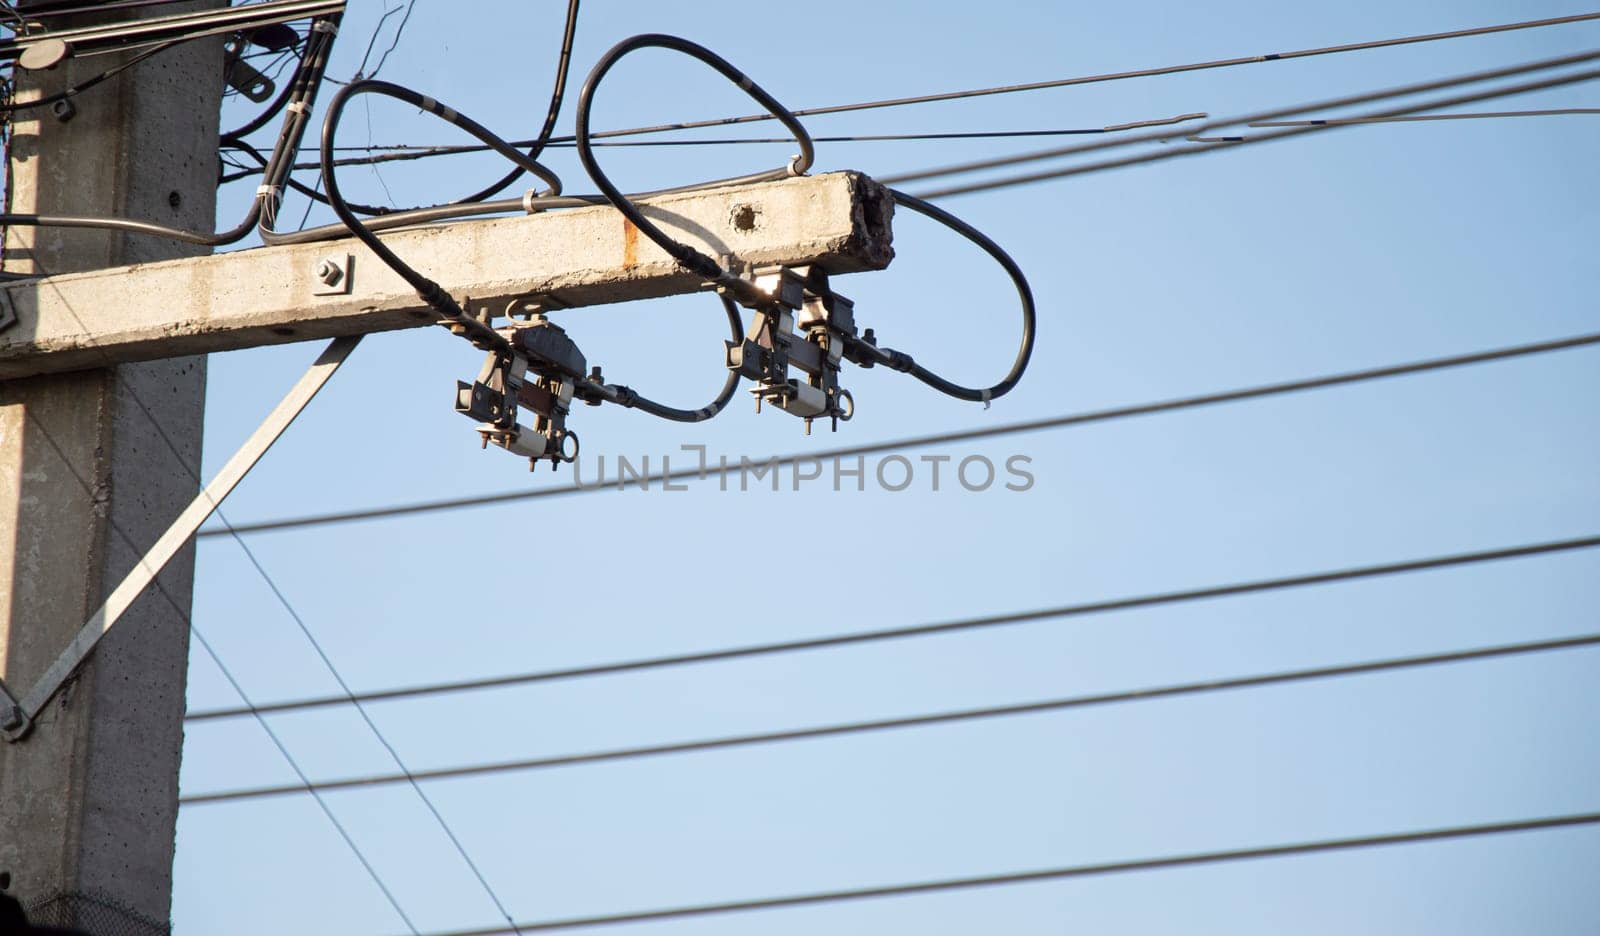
921 630
1114 76
1094 79
1486 115
1126 161
407 151
1351 100
401 152
965 435
914 721
863 637
1057 874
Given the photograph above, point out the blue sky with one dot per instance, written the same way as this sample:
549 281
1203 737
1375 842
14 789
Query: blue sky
1341 250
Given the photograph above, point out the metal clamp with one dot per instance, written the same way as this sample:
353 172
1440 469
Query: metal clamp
539 375
799 321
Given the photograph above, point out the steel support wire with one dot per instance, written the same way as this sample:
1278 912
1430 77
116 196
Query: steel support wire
1191 859
1160 599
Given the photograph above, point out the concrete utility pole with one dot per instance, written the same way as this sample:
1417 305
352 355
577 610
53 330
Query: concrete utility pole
94 399
89 803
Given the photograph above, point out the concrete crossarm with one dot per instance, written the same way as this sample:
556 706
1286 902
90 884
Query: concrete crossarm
576 257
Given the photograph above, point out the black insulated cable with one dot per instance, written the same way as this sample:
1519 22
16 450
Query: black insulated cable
864 351
633 400
535 148
14 106
303 91
478 332
431 292
1187 860
702 265
558 93
687 257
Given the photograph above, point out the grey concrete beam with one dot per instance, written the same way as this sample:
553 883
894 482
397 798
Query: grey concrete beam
576 257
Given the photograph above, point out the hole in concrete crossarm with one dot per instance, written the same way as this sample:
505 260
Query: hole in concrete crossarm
283 330
5 880
746 218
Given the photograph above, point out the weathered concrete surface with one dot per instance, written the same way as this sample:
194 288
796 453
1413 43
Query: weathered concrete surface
88 803
576 257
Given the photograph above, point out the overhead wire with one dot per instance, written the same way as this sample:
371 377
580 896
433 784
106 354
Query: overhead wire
1159 156
459 211
1351 100
558 93
855 638
400 152
1098 78
1062 421
1488 115
958 716
1192 859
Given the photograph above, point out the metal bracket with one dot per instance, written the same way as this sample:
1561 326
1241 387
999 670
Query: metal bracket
16 716
14 720
334 275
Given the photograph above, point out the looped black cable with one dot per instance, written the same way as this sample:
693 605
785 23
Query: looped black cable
688 257
430 291
557 94
863 351
631 398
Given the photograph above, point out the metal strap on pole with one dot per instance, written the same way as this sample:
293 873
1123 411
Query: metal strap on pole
16 716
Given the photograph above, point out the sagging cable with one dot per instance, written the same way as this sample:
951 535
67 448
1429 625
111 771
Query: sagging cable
532 365
789 298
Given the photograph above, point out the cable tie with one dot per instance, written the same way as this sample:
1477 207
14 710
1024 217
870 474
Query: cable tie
326 26
298 107
270 191
985 394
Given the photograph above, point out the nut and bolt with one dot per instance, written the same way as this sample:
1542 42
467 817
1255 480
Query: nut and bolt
329 272
11 719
